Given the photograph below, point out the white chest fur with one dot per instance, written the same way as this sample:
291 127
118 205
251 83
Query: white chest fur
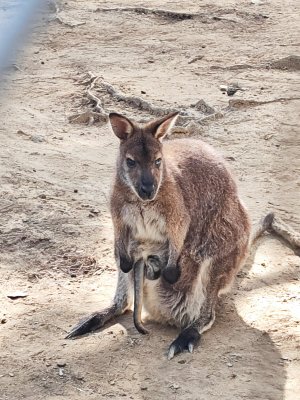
148 229
146 223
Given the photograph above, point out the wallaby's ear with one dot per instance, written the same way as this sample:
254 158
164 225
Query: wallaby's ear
121 126
162 127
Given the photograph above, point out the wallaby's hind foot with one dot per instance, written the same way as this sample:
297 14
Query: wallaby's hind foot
93 322
186 340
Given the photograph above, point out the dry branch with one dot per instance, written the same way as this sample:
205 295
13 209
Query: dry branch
98 113
135 101
243 103
181 16
199 113
173 15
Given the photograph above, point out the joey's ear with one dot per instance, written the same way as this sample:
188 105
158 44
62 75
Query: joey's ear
162 127
121 126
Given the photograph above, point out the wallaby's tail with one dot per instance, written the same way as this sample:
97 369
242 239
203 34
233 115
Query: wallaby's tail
287 233
138 271
263 226
273 224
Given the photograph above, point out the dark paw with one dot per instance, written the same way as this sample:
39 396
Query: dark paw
171 274
153 268
126 264
86 325
185 341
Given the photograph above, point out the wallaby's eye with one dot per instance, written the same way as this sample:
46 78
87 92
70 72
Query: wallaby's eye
130 162
158 162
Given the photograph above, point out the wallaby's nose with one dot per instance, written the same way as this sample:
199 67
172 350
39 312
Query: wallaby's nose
147 190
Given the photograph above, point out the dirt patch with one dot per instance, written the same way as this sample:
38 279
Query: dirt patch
55 229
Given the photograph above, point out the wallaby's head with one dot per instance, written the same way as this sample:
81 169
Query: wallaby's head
141 162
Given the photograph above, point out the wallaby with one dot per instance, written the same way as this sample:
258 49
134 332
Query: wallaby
181 230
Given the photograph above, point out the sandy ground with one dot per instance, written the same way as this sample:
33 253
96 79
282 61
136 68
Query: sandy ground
55 228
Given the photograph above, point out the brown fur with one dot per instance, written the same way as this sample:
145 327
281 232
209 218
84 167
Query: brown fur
193 220
204 222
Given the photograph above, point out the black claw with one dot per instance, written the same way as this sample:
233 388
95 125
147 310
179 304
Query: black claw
185 341
171 274
86 325
126 264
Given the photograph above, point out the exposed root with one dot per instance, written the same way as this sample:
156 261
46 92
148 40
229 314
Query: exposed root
186 114
69 23
171 15
98 106
135 101
289 63
191 128
61 17
240 103
87 118
97 114
199 113
194 59
233 67
182 16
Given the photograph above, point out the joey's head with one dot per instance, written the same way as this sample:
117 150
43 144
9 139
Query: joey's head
141 161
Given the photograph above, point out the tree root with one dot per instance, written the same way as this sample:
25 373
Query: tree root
135 101
97 114
61 17
171 15
199 113
240 103
182 16
87 118
289 63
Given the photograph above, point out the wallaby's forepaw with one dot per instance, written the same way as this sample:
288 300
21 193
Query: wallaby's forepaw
87 325
126 263
171 274
153 268
187 340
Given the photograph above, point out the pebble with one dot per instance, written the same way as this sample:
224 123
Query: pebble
37 138
17 295
174 386
61 363
229 365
